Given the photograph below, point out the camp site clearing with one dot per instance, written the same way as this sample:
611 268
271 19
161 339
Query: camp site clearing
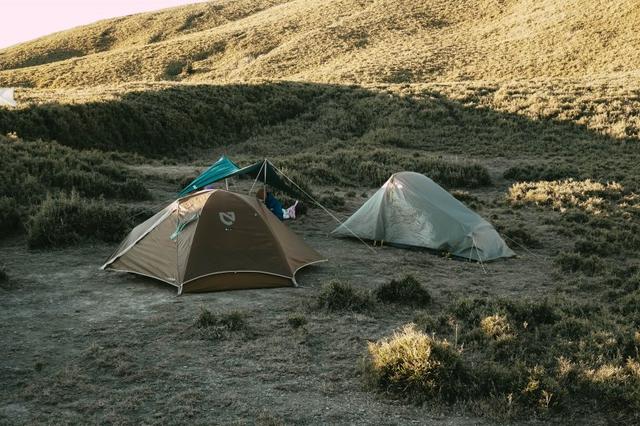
120 346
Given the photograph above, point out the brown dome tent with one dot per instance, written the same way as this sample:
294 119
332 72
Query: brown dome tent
214 240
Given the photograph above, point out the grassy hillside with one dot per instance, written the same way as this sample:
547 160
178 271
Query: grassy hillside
130 31
515 121
339 41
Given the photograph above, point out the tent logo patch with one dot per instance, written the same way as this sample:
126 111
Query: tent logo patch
227 218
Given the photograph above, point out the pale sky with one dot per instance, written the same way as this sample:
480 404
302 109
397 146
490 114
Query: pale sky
24 20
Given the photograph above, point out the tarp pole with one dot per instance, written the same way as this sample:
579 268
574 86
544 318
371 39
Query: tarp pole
264 192
226 183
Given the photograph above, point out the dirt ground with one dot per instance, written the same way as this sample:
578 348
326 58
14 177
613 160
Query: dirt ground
80 345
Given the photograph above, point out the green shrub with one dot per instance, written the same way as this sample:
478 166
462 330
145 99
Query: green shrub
31 169
297 321
340 296
415 366
576 262
9 216
67 219
175 68
407 291
595 246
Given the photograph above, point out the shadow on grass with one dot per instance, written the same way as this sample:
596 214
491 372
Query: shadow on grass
285 118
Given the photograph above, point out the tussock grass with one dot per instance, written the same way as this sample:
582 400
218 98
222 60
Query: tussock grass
220 325
297 321
522 357
67 219
497 327
415 366
588 195
406 291
341 296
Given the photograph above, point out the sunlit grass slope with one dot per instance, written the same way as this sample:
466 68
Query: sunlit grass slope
353 41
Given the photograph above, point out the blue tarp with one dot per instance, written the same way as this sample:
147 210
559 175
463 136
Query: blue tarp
221 169
262 171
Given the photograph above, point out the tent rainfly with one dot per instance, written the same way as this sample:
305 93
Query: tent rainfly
412 210
214 240
6 97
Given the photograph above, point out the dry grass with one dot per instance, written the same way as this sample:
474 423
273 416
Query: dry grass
416 366
587 195
405 291
340 41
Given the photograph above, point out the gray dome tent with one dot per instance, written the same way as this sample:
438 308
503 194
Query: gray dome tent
410 209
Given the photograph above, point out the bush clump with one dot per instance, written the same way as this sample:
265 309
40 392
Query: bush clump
535 172
406 291
216 326
296 321
339 296
9 216
31 169
67 219
588 195
537 356
415 366
496 327
576 262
